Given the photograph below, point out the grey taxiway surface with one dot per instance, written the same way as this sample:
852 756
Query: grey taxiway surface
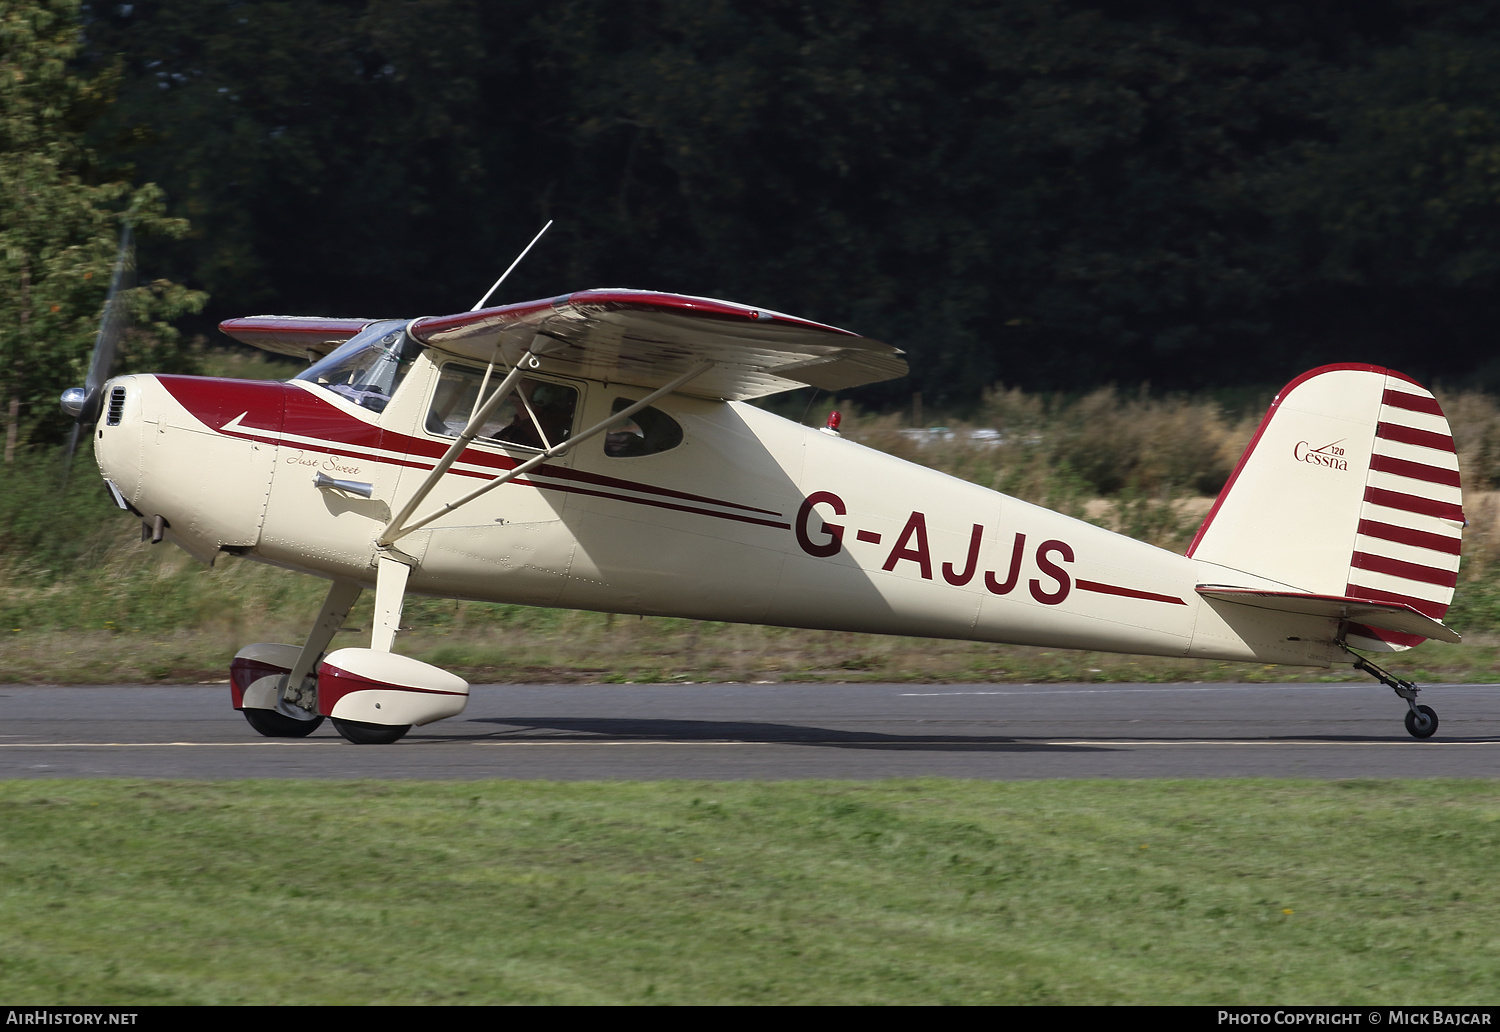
712 731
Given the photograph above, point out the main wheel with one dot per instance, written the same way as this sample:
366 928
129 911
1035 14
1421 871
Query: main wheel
278 725
1421 723
360 733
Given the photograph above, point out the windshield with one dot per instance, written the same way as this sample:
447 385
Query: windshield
367 368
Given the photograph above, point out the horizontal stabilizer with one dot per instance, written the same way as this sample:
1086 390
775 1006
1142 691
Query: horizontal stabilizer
1390 616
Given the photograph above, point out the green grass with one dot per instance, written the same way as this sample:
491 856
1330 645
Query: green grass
1229 892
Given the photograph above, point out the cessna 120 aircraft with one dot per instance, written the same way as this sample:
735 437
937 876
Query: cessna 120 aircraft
595 451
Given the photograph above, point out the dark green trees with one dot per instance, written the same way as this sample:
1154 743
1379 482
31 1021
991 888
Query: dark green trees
60 220
1046 192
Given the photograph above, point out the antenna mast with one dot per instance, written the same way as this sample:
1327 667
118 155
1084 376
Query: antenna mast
480 303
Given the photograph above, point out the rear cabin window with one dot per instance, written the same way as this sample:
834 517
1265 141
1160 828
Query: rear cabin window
538 414
647 432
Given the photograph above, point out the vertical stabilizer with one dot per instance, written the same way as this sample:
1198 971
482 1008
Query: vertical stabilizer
1349 488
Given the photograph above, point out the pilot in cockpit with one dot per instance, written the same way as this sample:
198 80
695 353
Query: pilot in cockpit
539 403
368 368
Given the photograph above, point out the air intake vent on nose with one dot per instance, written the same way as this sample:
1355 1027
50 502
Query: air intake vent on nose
116 406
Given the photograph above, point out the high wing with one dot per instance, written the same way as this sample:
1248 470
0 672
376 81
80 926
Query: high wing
639 338
645 339
299 336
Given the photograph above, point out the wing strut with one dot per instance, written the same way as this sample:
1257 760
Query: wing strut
399 528
476 421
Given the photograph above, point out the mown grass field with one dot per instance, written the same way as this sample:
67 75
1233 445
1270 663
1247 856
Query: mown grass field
929 891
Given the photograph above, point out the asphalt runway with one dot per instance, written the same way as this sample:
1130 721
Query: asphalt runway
775 731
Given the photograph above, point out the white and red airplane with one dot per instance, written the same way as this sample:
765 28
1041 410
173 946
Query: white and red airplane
595 451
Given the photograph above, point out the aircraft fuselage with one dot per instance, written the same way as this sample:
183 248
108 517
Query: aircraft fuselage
747 518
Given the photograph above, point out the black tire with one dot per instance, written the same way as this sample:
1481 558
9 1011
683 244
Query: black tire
361 733
1423 726
278 725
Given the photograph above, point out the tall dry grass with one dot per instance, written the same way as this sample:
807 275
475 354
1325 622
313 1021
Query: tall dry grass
1141 464
1133 462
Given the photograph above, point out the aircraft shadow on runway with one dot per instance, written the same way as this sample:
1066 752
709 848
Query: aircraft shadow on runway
594 729
620 729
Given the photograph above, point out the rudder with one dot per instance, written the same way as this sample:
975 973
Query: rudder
1350 487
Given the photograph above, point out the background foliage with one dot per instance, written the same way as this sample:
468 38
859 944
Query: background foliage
62 217
1055 194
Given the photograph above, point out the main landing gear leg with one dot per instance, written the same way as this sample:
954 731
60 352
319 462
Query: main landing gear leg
390 594
1421 721
275 685
374 696
301 686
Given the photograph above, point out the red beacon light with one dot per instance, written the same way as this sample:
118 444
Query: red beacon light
834 419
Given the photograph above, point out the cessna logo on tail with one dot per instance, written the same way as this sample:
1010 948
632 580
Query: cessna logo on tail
1330 455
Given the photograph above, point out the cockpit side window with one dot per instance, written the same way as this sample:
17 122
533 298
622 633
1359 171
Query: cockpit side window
647 432
537 414
367 368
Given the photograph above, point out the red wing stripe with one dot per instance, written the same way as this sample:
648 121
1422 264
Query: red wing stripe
1407 536
1424 606
1411 402
1412 503
1113 589
1414 470
1400 568
1411 435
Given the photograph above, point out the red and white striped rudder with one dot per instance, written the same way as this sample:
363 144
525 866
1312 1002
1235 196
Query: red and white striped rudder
1350 487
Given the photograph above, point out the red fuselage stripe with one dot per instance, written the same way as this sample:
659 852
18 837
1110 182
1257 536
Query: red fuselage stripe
1114 589
563 488
338 433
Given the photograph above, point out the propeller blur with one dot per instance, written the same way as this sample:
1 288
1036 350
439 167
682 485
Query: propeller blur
82 403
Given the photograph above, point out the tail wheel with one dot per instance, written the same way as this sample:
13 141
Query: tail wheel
1422 722
360 733
278 725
